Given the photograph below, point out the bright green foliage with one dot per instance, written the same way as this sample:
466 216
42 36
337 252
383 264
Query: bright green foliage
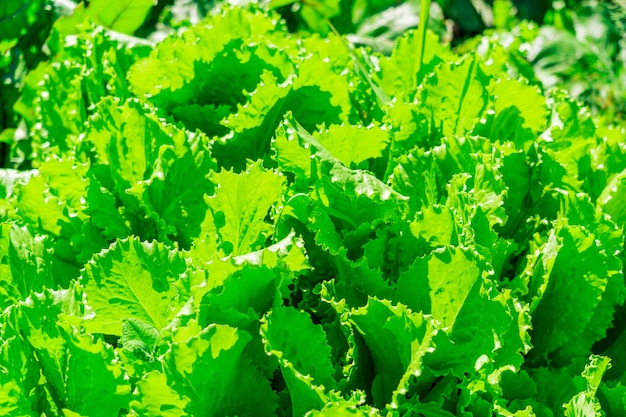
238 221
132 280
123 16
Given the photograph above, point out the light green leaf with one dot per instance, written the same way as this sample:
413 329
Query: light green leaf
526 99
570 291
19 370
585 403
454 96
352 144
124 16
303 354
398 339
96 383
398 74
29 261
139 337
291 155
45 321
243 201
452 273
161 183
172 64
133 279
155 398
612 197
204 365
315 94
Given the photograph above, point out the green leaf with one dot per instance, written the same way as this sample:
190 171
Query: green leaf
477 320
172 64
96 383
315 95
315 14
124 16
341 407
243 201
19 371
44 317
398 339
139 337
452 274
454 96
303 354
356 196
399 74
203 366
289 153
527 100
59 95
352 145
572 286
612 398
611 196
28 261
161 183
585 403
15 19
133 279
240 299
155 398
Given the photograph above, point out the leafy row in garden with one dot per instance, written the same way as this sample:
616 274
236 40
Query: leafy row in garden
239 221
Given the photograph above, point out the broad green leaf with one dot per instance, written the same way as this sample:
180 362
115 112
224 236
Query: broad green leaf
28 261
355 197
96 384
418 176
454 96
315 94
570 291
289 153
303 354
398 339
526 99
155 398
352 145
240 299
133 279
398 73
316 14
435 225
477 320
50 216
452 273
242 202
172 64
124 16
139 337
45 317
204 365
83 374
60 95
611 196
19 370
612 397
609 237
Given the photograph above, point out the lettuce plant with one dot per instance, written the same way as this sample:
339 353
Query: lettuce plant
237 221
